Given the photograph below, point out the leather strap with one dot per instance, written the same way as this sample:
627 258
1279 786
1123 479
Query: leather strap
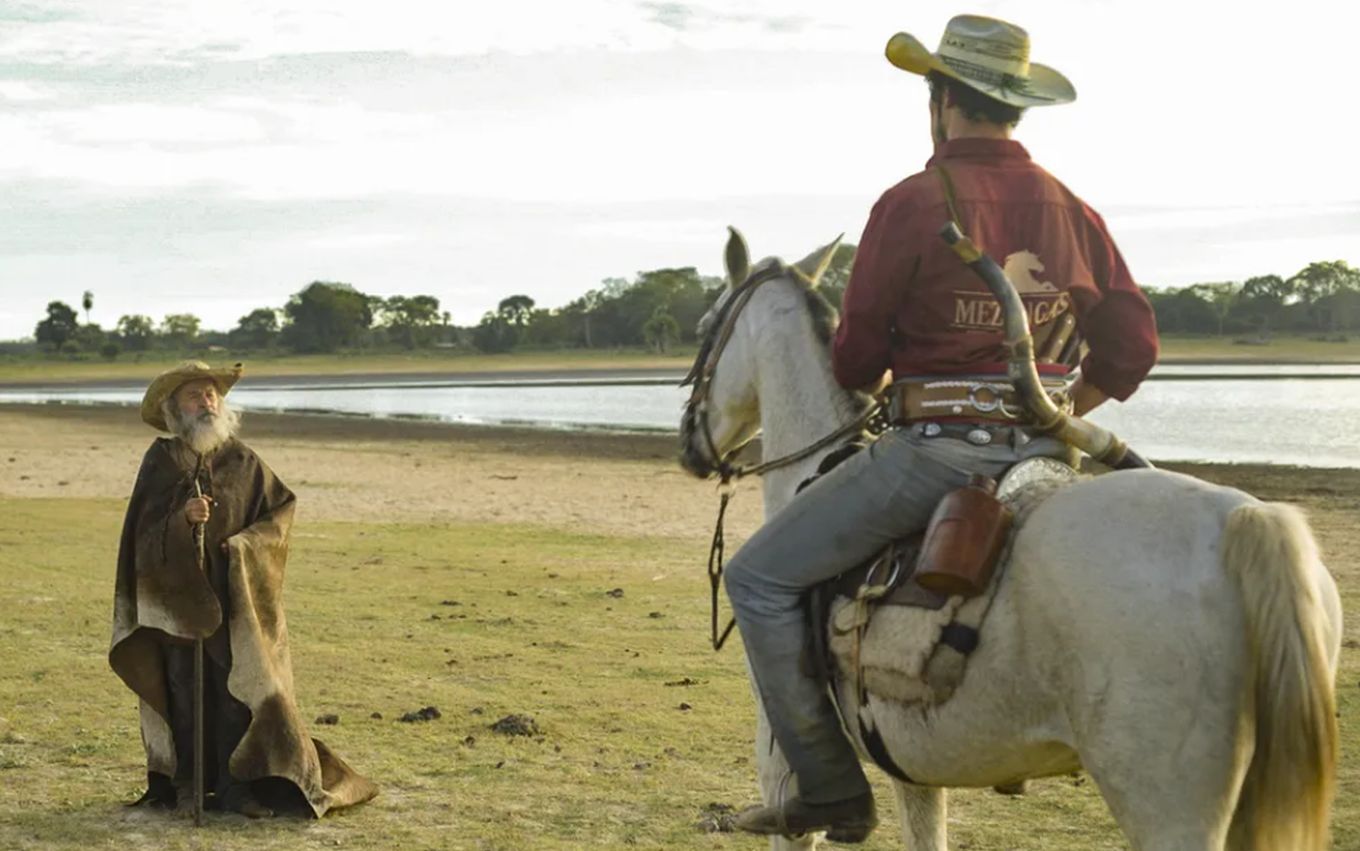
878 751
960 637
950 199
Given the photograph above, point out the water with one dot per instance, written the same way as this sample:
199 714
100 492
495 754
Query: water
1226 414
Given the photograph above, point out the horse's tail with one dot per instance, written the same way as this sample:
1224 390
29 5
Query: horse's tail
1286 797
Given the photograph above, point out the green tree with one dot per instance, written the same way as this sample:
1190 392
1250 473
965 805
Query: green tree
136 331
1262 301
326 316
623 308
59 326
87 302
1221 297
90 337
516 310
661 329
411 319
1182 310
493 334
179 329
1317 284
258 329
683 293
580 314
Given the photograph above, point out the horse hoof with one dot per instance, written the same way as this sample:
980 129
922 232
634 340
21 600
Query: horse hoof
850 835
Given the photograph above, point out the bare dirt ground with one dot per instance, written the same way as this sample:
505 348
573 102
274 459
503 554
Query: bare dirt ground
397 470
392 470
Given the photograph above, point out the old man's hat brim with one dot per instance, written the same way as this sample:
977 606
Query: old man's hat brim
165 384
1031 84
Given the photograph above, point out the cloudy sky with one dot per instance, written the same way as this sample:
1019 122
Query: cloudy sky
211 157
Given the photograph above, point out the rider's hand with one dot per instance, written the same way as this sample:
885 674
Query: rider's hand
197 510
1085 397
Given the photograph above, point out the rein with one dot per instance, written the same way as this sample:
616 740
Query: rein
701 377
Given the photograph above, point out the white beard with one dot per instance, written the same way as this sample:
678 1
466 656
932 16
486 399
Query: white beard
207 432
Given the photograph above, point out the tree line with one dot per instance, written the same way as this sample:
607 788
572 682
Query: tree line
657 309
1322 299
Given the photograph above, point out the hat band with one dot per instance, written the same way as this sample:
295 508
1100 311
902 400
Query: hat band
997 54
987 76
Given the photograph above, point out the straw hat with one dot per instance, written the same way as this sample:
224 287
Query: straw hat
172 379
988 55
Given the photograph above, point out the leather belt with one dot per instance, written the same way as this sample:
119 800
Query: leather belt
962 398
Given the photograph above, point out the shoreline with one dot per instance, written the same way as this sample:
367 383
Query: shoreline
617 444
583 375
605 375
268 372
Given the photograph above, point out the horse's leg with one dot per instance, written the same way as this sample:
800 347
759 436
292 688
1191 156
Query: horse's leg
922 811
1169 769
775 777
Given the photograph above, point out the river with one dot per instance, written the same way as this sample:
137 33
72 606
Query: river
1305 415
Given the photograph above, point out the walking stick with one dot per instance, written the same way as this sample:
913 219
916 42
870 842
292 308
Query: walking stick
198 681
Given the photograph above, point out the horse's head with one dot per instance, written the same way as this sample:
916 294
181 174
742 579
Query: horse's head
723 411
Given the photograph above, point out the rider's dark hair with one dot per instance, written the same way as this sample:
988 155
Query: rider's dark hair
975 105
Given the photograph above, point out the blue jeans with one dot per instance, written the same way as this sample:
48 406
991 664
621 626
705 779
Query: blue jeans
879 495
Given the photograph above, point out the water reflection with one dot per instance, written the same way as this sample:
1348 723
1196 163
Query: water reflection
1306 421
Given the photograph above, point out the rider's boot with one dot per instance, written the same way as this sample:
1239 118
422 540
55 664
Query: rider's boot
850 820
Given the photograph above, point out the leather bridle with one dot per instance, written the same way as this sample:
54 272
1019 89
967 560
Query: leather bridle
706 363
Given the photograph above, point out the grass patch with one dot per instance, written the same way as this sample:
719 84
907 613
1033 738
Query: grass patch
1278 350
38 369
480 621
41 369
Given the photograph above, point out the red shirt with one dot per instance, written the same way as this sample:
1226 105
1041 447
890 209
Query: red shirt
914 306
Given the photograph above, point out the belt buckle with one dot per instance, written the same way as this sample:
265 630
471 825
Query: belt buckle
989 405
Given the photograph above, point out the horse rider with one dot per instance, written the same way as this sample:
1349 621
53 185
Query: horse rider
913 312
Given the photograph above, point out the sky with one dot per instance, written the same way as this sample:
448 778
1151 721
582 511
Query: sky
209 157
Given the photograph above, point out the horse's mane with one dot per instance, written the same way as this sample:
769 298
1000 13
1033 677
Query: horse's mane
825 318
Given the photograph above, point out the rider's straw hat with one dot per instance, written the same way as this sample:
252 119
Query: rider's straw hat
172 379
988 55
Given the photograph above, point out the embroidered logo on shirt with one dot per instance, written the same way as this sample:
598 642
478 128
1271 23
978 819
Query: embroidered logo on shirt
1021 267
1044 302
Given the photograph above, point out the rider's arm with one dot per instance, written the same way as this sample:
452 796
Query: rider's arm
1116 321
862 351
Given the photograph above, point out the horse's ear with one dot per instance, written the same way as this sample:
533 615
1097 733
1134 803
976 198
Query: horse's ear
811 267
736 258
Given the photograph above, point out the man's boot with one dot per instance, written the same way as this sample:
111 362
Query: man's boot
160 792
849 821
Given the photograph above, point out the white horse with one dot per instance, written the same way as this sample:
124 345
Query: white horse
1176 639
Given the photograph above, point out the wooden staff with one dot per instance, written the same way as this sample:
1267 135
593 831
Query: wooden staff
198 679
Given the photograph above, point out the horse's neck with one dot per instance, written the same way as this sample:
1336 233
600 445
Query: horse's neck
800 401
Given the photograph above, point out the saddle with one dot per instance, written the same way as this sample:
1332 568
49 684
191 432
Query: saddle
900 627
919 604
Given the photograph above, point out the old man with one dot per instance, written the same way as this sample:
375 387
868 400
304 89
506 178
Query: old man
202 558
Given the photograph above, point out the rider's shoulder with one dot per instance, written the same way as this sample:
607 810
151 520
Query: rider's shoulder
908 194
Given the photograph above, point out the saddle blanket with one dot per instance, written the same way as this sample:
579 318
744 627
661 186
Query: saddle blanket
902 656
